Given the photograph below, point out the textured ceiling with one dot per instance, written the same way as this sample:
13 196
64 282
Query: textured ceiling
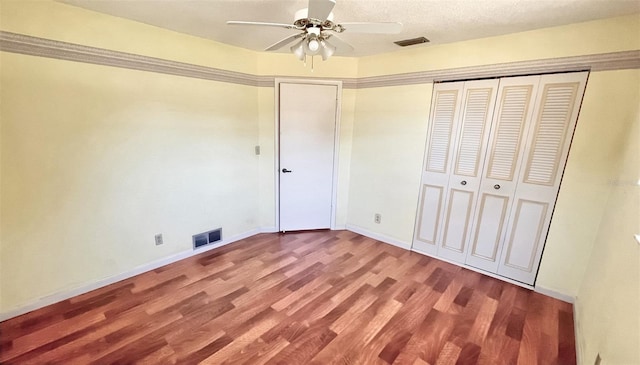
441 21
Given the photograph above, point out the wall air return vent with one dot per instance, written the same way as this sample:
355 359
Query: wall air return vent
412 41
207 238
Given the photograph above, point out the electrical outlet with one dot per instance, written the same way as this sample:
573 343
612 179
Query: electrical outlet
377 218
159 239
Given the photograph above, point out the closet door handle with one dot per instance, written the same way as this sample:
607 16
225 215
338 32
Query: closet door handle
463 182
496 186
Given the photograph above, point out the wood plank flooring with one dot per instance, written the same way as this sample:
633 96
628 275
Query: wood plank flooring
324 297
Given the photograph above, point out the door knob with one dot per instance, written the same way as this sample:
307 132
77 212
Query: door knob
463 182
496 186
285 171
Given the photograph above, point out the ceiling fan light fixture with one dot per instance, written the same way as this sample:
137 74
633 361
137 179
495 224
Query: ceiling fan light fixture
298 50
327 49
314 45
315 25
311 45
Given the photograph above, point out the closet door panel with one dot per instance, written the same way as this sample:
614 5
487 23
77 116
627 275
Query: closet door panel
509 126
468 161
489 226
505 152
546 152
443 127
476 118
457 221
429 215
525 235
549 142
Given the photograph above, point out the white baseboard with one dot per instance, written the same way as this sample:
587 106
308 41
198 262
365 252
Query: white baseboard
577 333
555 294
538 289
66 294
379 237
490 274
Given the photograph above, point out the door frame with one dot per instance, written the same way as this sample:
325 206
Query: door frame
336 142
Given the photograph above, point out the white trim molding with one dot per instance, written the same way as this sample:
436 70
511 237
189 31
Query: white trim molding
70 293
379 237
595 62
555 294
272 229
42 47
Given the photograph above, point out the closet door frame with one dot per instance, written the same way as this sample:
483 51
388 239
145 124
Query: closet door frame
499 268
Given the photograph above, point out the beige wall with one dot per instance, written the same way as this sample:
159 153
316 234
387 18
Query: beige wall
585 186
97 160
388 144
283 64
608 300
267 137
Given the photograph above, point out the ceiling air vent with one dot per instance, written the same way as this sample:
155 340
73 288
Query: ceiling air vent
412 41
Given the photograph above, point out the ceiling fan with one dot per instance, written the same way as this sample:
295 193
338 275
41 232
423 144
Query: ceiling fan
317 31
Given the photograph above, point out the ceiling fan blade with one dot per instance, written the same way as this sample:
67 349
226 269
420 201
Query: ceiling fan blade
339 43
262 24
320 9
379 28
283 42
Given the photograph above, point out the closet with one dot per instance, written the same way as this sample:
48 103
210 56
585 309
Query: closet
495 154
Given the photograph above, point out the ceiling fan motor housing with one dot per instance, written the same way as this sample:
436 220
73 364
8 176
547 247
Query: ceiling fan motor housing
303 14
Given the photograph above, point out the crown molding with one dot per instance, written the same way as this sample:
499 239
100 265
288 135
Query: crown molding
595 62
42 47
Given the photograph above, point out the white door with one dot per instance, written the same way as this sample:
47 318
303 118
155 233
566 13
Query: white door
516 96
443 122
307 132
468 157
546 151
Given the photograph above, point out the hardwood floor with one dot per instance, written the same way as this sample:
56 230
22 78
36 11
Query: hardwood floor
301 298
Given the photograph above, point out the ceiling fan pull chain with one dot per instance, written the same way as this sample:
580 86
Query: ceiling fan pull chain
311 63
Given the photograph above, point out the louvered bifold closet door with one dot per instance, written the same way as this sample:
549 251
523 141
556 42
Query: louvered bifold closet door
468 157
545 155
443 127
512 117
